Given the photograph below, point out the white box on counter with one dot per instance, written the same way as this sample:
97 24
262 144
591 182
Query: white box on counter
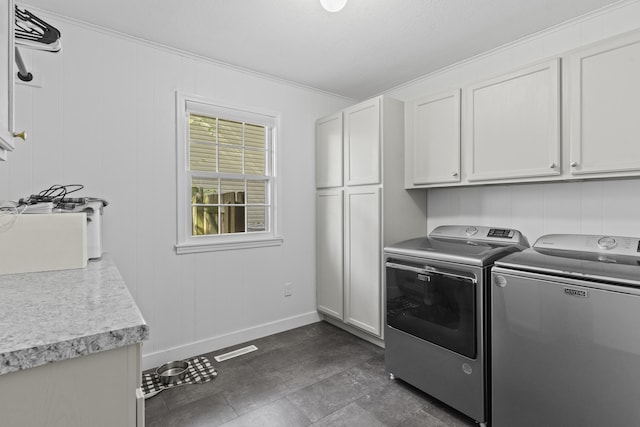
44 242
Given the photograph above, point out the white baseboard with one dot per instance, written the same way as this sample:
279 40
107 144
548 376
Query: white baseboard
353 331
155 359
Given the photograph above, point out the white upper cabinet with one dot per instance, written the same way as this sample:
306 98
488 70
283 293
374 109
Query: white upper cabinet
604 110
362 143
6 77
432 145
329 151
512 127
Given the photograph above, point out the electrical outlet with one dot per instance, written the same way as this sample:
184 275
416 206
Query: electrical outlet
287 289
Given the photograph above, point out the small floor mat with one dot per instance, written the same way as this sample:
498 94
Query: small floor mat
200 371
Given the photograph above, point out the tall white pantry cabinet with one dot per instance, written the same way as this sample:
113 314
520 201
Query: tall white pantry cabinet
361 205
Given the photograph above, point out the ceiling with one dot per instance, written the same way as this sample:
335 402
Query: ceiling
367 48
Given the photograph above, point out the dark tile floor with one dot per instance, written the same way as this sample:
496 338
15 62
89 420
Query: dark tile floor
316 375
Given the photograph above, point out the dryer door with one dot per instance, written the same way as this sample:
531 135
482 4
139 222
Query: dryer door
435 304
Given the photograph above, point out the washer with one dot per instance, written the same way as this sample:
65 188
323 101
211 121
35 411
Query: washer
565 331
436 312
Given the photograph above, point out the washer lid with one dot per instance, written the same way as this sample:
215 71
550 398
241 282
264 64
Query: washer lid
473 245
612 259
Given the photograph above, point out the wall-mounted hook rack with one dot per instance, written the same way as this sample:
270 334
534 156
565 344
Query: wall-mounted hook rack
23 73
33 32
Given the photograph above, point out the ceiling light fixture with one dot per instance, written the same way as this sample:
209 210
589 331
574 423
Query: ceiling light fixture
333 5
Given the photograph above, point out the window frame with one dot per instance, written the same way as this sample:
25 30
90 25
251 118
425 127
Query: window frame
186 242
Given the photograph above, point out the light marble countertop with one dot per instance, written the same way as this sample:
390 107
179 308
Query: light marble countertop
57 315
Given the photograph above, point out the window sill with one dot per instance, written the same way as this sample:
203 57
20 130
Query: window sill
191 248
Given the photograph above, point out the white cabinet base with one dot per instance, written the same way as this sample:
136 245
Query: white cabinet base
329 257
353 331
362 260
98 390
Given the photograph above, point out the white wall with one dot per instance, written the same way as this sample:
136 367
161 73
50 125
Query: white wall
593 207
105 118
598 207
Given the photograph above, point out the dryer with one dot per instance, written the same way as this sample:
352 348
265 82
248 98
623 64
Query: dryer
436 312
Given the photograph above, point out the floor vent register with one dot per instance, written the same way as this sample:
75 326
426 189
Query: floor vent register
235 353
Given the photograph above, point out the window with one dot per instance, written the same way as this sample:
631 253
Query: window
226 176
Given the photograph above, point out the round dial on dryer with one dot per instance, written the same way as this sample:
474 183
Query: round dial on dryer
471 231
606 242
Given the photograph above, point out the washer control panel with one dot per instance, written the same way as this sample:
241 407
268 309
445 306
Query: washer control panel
614 245
504 233
477 233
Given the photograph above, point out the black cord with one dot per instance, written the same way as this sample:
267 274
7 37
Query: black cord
60 191
55 194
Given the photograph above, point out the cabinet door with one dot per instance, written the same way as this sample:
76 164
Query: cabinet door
97 390
329 151
512 128
6 77
432 149
362 261
362 143
604 104
329 256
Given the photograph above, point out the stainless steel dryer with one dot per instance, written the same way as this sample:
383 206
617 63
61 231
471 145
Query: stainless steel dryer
566 333
436 312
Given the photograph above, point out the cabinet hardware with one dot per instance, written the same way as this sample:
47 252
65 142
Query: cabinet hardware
552 165
22 135
574 164
428 270
455 174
